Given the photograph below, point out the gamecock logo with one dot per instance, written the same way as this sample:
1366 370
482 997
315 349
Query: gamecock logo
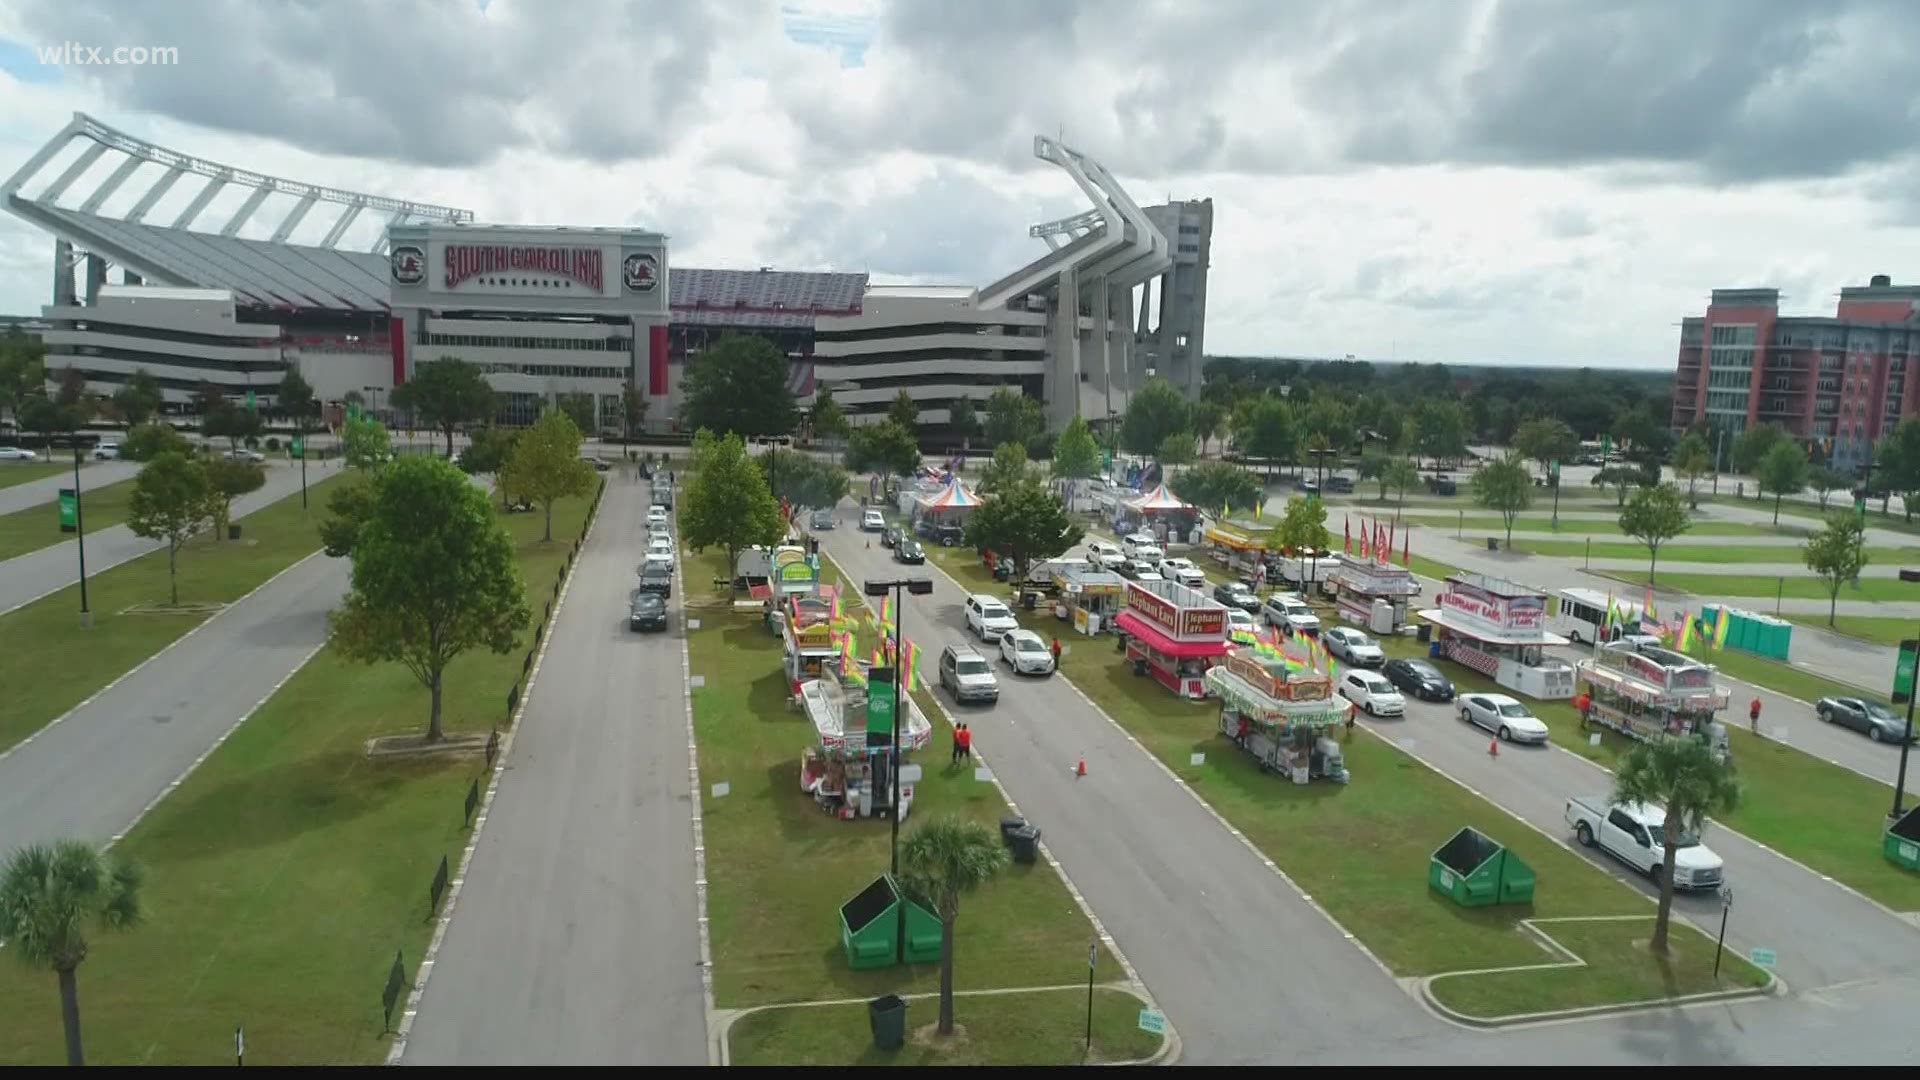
409 265
641 272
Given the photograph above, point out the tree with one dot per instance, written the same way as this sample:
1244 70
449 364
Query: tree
1654 516
1008 468
828 420
170 501
802 479
739 386
222 419
633 411
1684 775
728 504
349 505
1692 459
1303 526
1440 429
50 895
364 442
1373 466
1266 431
138 398
1546 440
1636 427
488 451
65 410
1782 472
1025 523
1217 485
148 441
295 400
940 862
905 412
1400 476
1013 417
1898 466
1618 477
545 465
885 448
1206 418
227 479
1076 455
579 408
1156 411
1331 419
1753 444
1503 485
1825 480
444 394
22 369
1836 554
1175 449
434 576
963 418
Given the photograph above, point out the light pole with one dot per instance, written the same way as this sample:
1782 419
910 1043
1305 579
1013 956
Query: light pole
1726 906
1906 737
80 535
918 586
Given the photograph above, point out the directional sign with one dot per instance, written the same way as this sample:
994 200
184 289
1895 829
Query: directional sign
910 774
1764 958
1153 1021
1093 955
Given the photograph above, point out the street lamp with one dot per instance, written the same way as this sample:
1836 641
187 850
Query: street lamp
1906 737
918 586
80 535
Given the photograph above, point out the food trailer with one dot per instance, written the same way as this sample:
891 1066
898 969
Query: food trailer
1089 598
1498 628
808 648
1373 593
1279 711
1173 632
1240 546
1642 690
847 771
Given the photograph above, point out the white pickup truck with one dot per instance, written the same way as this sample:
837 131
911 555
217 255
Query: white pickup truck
1632 833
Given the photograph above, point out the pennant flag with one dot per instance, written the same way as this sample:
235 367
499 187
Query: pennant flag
1686 632
1720 627
1363 541
1648 612
835 617
1226 510
886 610
1406 549
1259 509
911 664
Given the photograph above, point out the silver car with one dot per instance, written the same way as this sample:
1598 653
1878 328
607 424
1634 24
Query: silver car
967 675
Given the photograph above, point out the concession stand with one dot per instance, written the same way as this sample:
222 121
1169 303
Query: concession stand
1643 690
809 650
1088 597
1174 632
847 771
1279 711
1498 628
1240 546
1373 593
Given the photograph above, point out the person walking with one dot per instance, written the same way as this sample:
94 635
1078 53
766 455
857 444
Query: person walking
1753 716
959 739
1056 654
965 735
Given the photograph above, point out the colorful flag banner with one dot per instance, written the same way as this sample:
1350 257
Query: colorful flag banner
1720 627
1686 632
1346 532
1648 611
911 664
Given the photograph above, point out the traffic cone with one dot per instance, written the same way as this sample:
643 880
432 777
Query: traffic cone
1080 770
1493 747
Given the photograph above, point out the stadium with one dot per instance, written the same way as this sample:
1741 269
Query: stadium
155 267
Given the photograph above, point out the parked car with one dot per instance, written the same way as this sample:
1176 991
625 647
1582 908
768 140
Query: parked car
1419 678
1290 613
660 551
893 535
1183 571
647 610
1025 653
656 513
1309 489
17 453
988 617
1354 646
657 579
1132 545
1236 594
1102 554
598 464
1634 833
1374 694
1880 723
244 454
1238 621
1339 485
1442 485
1151 554
106 451
820 521
872 520
1137 570
967 676
1503 716
908 550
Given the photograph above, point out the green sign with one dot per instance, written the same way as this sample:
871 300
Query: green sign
69 510
250 407
1606 445
880 703
1153 1021
297 448
1903 671
1764 958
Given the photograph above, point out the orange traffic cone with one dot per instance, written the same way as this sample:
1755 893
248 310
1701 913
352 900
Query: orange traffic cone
1493 747
1080 770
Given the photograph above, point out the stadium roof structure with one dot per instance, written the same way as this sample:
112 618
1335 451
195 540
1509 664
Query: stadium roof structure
276 274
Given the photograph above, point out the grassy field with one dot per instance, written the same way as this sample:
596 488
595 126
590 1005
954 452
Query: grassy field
20 472
1879 629
1363 850
1619 967
779 868
50 664
286 872
39 526
1480 524
1002 1029
1774 675
1800 586
1821 814
1693 553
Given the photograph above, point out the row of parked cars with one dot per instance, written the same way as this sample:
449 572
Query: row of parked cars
648 603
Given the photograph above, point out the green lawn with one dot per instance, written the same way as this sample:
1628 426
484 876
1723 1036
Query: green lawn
1000 1029
1879 629
1695 553
1821 814
20 472
1480 524
49 664
39 526
1774 675
1363 849
1433 568
1801 586
778 869
1619 968
286 872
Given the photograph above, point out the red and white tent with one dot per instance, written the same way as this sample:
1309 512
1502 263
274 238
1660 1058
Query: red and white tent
1158 501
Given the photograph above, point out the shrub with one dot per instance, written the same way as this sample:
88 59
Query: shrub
273 442
146 441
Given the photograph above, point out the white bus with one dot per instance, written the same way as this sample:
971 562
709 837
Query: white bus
1581 614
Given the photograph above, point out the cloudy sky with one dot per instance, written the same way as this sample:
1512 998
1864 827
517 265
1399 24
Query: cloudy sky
1530 181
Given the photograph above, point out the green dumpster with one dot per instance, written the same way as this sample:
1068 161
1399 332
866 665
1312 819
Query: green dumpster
887 1019
1902 844
923 934
870 925
1475 871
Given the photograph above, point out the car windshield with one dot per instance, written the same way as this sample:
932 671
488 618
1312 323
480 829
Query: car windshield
994 611
1658 833
1029 645
1423 669
1513 709
647 600
1879 711
973 666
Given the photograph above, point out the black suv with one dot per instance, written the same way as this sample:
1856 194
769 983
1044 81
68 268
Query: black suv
657 580
647 612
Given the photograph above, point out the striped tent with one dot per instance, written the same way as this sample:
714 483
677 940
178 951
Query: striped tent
956 496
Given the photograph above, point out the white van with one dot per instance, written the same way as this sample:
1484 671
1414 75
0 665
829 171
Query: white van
1580 615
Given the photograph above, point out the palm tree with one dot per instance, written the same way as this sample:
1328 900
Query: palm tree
942 861
1690 779
48 895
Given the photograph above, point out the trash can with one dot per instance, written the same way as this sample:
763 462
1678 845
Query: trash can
1424 632
887 1017
1008 826
1026 844
1436 651
869 926
1493 543
1473 870
1902 841
233 532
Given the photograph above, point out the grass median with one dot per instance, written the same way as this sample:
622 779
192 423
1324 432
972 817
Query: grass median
21 472
1731 554
39 526
778 868
1478 524
1821 814
49 663
285 873
1877 629
1800 585
1000 1029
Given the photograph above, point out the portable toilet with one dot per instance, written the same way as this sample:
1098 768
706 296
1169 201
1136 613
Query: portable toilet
1740 631
1784 639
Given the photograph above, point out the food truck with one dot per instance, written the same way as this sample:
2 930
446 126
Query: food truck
847 772
1240 546
1498 628
1642 690
1280 711
808 648
1373 593
1089 597
1173 632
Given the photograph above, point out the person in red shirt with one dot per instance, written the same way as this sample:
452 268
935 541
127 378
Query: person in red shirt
1056 654
963 740
1753 716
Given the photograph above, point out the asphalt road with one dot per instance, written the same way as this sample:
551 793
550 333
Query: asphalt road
96 474
1246 970
93 773
29 577
576 938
